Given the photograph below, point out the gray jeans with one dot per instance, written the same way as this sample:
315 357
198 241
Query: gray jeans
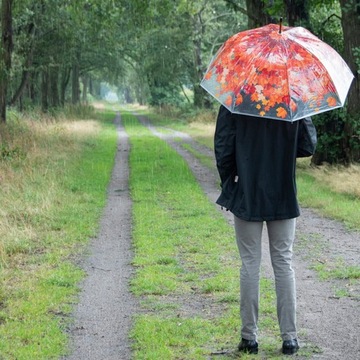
281 237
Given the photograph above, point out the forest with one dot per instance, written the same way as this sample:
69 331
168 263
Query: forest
57 53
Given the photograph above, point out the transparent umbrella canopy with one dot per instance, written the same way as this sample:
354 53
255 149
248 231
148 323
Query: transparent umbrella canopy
276 72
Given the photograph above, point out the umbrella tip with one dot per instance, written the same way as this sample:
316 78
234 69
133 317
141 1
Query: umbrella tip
280 25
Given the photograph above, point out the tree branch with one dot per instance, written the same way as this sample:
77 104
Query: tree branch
239 8
328 19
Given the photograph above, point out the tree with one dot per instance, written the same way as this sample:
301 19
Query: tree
55 41
5 54
210 24
297 13
56 51
257 13
337 23
174 43
350 21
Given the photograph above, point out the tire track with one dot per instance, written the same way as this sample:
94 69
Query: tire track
103 317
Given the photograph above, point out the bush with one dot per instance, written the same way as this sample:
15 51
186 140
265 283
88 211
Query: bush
338 138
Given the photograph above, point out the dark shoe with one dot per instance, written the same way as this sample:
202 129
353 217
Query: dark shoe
249 346
290 347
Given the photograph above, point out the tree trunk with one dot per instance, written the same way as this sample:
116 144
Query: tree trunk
257 15
350 21
127 96
85 82
75 84
297 13
22 86
26 73
32 89
5 54
65 77
44 90
199 94
91 90
54 88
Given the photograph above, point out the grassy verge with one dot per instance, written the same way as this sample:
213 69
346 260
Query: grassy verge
186 262
53 174
318 195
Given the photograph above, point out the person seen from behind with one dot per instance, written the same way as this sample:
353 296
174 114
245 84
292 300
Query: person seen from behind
256 161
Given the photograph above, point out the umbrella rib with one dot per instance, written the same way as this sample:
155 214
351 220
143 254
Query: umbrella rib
287 77
310 50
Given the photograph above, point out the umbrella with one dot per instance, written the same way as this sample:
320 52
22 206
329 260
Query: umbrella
284 73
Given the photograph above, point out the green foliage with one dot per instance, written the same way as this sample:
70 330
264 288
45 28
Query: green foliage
326 22
9 153
277 9
350 6
330 127
354 140
166 95
175 44
357 58
52 35
333 141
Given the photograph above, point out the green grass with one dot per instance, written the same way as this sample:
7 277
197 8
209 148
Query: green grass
337 271
50 210
342 207
205 160
327 267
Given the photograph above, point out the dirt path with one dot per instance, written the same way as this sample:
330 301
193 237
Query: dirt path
103 315
329 326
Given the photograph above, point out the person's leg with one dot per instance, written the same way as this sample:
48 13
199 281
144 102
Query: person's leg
281 239
248 237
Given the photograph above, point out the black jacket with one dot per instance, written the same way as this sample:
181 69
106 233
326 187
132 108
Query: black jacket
256 160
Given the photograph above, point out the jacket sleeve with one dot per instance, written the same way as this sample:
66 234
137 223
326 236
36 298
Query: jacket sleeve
307 138
224 144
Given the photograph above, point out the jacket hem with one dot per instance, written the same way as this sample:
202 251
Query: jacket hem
262 218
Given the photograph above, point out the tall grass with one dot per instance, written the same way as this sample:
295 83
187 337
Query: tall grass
329 195
54 173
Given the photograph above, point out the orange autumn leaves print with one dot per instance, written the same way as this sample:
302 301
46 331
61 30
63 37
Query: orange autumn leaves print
263 72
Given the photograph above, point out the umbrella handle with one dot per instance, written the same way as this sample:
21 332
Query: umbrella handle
280 25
